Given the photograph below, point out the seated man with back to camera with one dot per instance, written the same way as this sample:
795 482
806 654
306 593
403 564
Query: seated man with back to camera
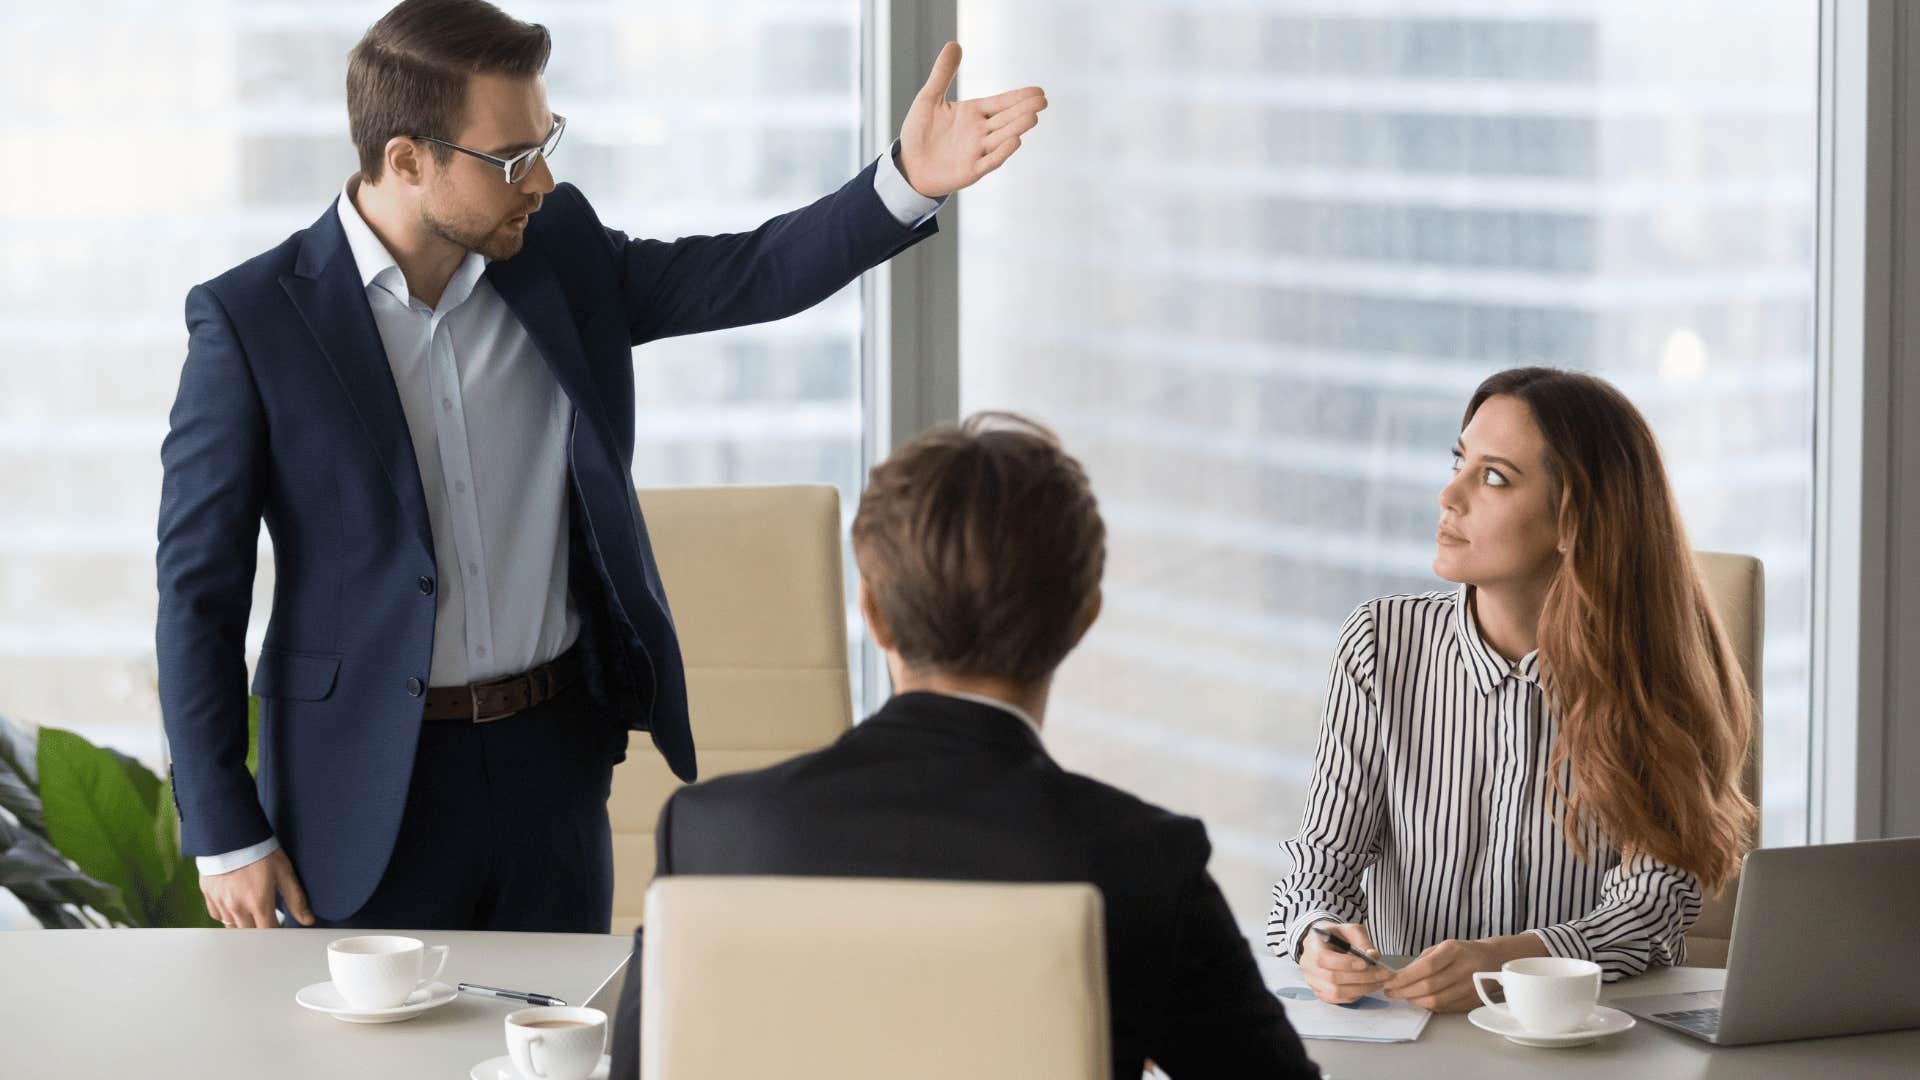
980 550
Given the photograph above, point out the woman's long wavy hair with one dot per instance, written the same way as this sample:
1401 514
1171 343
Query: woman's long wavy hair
1655 715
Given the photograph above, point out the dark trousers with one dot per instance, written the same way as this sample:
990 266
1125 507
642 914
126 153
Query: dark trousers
505 826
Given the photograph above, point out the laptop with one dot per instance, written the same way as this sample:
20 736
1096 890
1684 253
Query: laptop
606 996
1826 940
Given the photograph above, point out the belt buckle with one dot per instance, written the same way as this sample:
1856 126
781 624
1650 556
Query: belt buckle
475 690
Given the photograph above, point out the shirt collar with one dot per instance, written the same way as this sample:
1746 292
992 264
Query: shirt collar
1486 667
982 699
377 266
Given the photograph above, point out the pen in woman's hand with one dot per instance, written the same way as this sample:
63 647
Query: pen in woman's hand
1340 945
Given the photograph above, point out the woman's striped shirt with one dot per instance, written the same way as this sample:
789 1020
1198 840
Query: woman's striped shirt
1427 816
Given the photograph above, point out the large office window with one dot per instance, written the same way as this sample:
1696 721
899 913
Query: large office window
155 148
1256 258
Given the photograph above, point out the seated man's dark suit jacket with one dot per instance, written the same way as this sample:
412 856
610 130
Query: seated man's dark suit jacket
287 413
942 787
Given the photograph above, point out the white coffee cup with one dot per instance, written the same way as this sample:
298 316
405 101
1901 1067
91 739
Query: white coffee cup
1549 995
379 971
556 1042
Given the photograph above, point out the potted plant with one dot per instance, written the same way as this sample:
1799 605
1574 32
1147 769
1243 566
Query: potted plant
88 835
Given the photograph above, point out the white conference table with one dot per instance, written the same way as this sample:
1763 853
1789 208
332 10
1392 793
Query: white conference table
1451 1047
219 1004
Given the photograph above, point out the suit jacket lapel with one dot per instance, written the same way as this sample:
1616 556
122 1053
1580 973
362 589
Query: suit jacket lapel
325 287
532 292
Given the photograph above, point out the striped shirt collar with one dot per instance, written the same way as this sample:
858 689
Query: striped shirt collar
1486 667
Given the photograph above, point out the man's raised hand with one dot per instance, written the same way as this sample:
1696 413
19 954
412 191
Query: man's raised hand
947 145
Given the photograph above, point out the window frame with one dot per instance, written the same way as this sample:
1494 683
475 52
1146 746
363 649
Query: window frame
910 346
1865 613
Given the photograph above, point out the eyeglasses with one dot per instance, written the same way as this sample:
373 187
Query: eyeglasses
519 165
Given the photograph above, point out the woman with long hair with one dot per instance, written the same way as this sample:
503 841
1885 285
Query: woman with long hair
1545 760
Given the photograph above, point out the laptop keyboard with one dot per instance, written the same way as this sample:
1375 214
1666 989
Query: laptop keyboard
1703 1021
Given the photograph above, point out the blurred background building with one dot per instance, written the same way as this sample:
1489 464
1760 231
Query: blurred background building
1258 255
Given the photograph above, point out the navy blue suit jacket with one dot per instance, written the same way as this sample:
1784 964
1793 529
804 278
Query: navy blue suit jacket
287 413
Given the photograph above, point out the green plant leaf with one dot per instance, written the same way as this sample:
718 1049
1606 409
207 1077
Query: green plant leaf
166 825
97 816
166 846
181 904
17 750
54 916
253 736
34 872
145 783
21 801
19 776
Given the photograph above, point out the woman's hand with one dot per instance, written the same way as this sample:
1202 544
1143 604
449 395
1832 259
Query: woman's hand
1338 978
1441 978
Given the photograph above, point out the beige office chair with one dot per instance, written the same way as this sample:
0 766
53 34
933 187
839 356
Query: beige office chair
869 979
753 576
1737 586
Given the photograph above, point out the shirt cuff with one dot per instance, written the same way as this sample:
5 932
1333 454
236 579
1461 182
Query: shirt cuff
228 862
908 207
1296 936
1563 940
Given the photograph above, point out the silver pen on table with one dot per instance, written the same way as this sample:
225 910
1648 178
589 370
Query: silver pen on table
510 995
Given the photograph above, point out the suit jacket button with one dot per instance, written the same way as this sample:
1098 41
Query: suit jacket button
415 688
426 586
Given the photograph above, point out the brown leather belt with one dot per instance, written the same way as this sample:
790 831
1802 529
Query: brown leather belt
497 699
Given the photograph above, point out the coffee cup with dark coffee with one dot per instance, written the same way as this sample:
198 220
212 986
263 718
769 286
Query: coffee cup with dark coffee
556 1042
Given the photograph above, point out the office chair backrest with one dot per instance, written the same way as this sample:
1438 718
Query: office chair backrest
867 979
753 575
1737 586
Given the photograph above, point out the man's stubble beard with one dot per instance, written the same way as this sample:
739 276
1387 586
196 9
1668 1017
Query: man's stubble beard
485 240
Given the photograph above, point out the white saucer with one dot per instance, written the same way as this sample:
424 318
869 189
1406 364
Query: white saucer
502 1068
1500 1020
324 998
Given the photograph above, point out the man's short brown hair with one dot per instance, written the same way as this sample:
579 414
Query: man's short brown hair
982 547
408 75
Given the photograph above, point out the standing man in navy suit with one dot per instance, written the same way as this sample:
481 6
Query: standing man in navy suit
427 396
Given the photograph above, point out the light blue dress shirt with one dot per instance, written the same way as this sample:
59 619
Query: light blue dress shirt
489 428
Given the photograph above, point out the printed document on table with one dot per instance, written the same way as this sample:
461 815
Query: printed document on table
1377 1019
